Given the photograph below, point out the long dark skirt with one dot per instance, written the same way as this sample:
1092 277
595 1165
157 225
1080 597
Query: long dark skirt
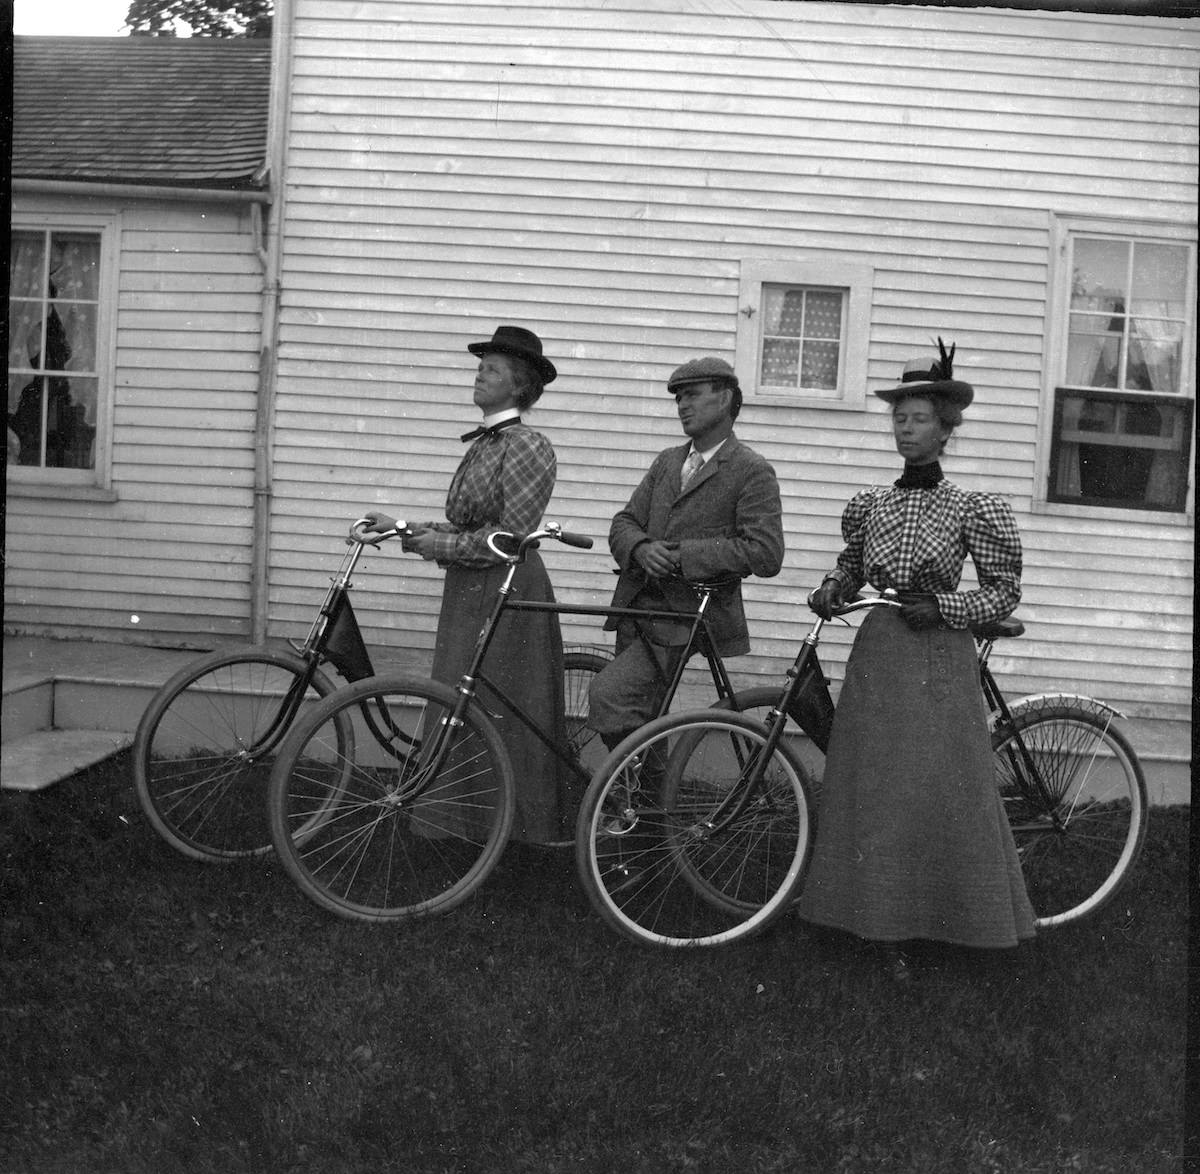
912 840
525 662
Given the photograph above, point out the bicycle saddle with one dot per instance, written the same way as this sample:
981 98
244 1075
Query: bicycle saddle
998 629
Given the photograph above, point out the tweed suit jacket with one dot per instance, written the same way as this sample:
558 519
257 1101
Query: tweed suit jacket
727 522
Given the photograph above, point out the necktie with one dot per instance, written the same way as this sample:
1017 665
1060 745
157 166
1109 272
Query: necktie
690 467
475 433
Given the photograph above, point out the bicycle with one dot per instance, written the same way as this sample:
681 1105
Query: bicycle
695 830
411 824
204 747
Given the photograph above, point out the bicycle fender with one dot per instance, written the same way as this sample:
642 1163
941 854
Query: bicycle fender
1072 700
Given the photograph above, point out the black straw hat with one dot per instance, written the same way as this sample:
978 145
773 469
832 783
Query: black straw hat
524 344
931 378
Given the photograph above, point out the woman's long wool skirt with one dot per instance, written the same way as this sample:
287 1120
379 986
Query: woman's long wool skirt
912 841
525 663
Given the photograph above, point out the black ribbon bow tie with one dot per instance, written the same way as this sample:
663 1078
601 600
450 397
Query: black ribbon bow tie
490 429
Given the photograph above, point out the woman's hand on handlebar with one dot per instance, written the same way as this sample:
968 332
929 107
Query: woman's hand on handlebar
376 522
826 599
420 541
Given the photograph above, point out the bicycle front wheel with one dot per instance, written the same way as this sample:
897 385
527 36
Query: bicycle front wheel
413 822
1075 797
206 743
691 834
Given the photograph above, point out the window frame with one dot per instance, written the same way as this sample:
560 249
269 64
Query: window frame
29 480
857 279
1064 231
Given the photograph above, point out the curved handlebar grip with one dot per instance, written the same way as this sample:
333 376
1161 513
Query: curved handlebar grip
374 537
504 554
863 602
580 540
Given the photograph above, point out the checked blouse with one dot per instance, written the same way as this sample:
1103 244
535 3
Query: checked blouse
919 539
503 482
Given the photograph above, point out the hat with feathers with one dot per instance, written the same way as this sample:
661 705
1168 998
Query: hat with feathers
931 378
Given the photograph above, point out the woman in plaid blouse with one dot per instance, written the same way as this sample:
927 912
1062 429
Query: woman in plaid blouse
503 482
912 840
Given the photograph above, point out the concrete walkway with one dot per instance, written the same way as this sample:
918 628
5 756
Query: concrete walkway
70 686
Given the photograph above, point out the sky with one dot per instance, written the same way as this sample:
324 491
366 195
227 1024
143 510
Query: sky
70 18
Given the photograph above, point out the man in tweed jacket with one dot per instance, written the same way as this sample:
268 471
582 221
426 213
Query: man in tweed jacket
706 509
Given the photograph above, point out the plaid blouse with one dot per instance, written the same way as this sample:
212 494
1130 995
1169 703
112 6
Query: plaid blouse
504 482
919 539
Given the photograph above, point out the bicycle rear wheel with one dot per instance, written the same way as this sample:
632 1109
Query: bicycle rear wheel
682 841
206 743
579 668
1075 797
413 822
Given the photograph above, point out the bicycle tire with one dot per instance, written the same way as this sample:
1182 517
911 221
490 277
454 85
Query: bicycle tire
197 778
1077 841
656 870
579 668
379 838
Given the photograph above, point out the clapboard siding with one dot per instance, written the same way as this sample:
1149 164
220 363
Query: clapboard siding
174 548
601 173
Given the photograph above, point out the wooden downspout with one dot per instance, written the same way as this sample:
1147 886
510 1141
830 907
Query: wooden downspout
267 245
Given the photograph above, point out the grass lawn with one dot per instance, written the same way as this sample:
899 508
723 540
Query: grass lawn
161 1015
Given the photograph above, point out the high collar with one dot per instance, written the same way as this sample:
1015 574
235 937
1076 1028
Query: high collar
494 423
920 476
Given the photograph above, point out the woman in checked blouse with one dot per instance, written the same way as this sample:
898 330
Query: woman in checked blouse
503 482
912 841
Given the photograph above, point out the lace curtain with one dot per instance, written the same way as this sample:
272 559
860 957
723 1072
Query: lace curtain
52 321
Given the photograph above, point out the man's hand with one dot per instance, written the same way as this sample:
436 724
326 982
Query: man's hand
657 558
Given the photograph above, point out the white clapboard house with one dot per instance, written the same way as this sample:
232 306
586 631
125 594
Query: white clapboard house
268 335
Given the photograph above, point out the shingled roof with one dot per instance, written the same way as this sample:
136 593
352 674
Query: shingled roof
170 111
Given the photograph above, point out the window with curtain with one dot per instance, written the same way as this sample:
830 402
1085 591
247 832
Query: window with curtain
53 323
1123 402
803 331
802 338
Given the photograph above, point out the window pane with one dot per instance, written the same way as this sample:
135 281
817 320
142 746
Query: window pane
25 419
27 261
24 334
820 366
78 324
1159 280
1093 351
75 266
780 362
1155 355
1101 275
1130 452
824 315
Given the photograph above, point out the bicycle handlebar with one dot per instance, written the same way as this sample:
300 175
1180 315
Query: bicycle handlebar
863 602
552 530
885 599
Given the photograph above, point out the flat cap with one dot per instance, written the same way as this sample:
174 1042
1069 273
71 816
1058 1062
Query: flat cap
701 371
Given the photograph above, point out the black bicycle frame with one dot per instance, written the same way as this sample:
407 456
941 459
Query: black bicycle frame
699 640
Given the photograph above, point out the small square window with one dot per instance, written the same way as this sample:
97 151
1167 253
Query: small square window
802 335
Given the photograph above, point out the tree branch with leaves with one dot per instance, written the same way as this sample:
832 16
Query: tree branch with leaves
205 18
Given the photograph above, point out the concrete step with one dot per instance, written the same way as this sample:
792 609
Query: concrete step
28 707
39 759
